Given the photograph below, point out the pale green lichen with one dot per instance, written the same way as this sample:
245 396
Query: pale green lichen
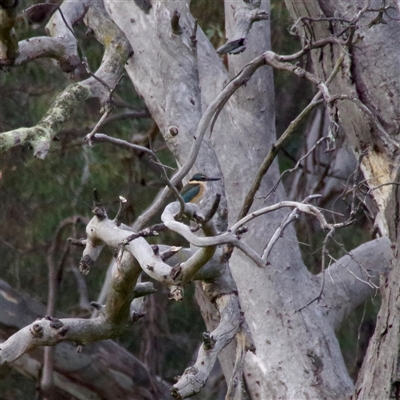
41 135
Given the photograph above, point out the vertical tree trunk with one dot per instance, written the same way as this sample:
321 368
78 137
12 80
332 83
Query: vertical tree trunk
371 125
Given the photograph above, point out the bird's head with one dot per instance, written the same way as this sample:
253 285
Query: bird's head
201 178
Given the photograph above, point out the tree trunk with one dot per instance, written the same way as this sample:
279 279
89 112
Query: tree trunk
370 123
297 354
292 321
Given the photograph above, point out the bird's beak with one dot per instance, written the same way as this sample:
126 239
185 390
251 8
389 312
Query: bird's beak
213 179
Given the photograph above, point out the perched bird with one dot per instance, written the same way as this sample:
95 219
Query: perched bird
196 188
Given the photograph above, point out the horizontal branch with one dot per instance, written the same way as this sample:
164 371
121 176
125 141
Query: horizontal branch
303 207
61 44
125 376
103 231
51 331
354 278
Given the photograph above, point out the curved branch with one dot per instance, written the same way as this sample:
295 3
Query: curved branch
62 43
283 139
303 207
226 238
117 52
124 377
195 262
215 107
113 320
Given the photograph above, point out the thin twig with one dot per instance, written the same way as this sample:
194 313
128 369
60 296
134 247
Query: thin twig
90 135
153 159
147 232
173 189
370 284
288 171
101 137
293 216
122 202
324 252
381 185
285 137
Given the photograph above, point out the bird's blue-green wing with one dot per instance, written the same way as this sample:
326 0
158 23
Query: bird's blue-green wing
189 193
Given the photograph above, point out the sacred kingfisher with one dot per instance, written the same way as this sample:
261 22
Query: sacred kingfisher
196 188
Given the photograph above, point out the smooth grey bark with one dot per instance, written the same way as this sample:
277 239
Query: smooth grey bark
291 367
103 370
271 296
296 353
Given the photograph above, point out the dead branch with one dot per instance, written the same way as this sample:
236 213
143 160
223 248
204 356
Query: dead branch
126 376
195 377
215 107
117 52
244 16
61 44
168 217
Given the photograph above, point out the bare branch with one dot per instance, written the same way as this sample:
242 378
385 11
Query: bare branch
290 170
245 15
293 216
112 321
306 208
215 107
51 331
62 43
154 161
284 138
90 135
195 377
101 137
126 376
117 52
226 238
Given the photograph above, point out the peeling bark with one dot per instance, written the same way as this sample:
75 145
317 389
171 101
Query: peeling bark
371 126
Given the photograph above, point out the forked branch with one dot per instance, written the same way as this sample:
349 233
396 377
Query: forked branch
117 52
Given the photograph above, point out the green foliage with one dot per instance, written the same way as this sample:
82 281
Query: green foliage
210 16
36 196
